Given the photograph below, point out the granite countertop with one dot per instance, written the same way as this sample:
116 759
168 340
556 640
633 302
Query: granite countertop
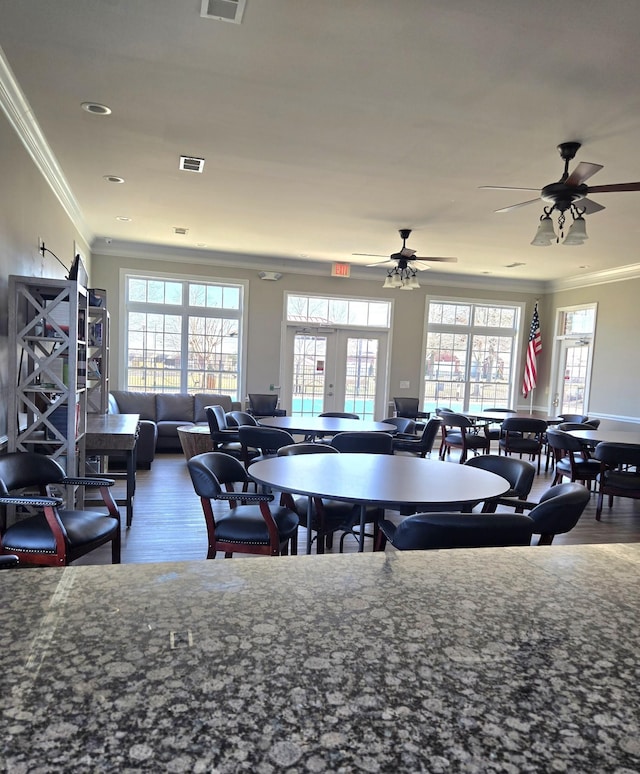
489 660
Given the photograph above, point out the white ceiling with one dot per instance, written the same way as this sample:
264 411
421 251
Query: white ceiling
326 126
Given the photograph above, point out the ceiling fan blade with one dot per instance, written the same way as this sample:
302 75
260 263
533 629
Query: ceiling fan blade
371 255
615 187
516 206
378 263
589 206
435 259
506 188
582 172
406 253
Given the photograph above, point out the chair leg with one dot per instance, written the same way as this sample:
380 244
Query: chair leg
546 539
381 542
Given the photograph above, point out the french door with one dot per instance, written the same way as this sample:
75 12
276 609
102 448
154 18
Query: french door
333 369
574 366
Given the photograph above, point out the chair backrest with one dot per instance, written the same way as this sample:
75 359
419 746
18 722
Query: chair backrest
499 410
407 407
369 443
456 420
267 439
425 531
564 426
613 454
22 469
402 424
519 473
524 425
212 470
263 405
306 448
559 509
591 424
339 415
429 434
238 418
561 441
573 417
216 418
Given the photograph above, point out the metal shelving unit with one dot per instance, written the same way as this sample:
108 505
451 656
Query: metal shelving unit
48 321
98 360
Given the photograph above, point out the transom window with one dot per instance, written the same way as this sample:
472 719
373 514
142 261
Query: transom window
338 311
183 335
470 355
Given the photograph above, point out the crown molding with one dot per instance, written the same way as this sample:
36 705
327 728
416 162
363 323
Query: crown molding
22 118
619 274
248 261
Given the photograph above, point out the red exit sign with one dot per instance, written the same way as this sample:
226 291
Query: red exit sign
341 270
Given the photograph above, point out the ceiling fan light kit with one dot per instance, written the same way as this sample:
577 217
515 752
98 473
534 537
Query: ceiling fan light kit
568 195
403 276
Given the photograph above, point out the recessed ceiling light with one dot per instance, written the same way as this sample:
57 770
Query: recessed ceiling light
113 178
123 218
584 266
96 108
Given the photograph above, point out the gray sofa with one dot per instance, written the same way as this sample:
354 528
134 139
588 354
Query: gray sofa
161 414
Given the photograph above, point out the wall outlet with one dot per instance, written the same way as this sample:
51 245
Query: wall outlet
41 246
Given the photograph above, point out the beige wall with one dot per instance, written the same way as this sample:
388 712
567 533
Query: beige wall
28 210
616 358
266 308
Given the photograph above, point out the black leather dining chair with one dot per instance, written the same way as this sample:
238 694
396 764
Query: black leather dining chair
250 524
427 531
363 442
421 445
460 432
619 472
327 516
558 510
267 440
265 405
53 535
403 427
519 473
223 438
523 435
237 418
571 458
409 408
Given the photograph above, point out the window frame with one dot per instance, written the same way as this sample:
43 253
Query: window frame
185 311
518 334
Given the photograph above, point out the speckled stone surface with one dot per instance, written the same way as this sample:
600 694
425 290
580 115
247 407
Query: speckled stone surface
492 660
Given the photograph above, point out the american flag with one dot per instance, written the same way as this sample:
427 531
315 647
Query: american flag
534 348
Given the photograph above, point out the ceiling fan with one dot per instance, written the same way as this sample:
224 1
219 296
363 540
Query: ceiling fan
571 188
403 274
406 256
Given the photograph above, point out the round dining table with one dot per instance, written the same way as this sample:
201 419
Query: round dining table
594 437
384 479
313 426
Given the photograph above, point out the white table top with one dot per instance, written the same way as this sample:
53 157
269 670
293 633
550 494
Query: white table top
378 478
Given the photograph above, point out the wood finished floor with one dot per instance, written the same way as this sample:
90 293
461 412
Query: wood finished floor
168 524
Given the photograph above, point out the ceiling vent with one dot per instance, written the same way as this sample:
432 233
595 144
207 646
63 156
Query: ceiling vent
223 10
181 231
514 265
191 164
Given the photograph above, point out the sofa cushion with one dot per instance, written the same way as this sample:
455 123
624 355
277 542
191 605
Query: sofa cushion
169 427
176 406
203 399
143 403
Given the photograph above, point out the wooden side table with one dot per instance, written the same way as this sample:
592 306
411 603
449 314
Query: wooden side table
195 439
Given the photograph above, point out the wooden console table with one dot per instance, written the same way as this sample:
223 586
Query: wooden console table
114 434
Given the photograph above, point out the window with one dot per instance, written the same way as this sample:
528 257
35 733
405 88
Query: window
573 354
338 311
470 355
183 335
